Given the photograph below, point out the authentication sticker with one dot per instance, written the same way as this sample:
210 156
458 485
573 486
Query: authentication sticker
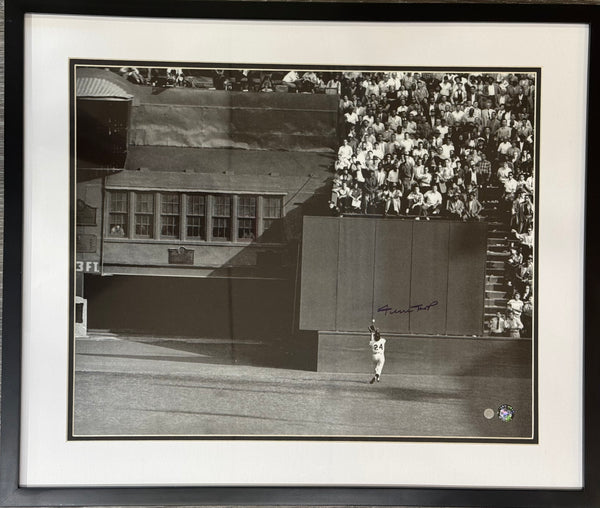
506 413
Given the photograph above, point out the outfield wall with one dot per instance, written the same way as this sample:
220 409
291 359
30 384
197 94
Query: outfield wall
435 356
414 277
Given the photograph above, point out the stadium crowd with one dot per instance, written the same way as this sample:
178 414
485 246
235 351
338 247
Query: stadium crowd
435 144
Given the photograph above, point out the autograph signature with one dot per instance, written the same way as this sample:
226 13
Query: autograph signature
413 308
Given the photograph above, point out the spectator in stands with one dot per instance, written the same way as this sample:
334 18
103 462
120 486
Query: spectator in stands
484 170
380 174
513 325
266 83
175 77
357 171
504 173
345 176
370 191
335 84
455 208
415 202
356 195
405 171
473 207
132 74
514 261
432 202
427 178
527 317
522 210
445 177
471 175
335 193
524 276
504 132
344 197
497 325
525 239
345 152
510 189
292 80
396 199
393 175
515 305
309 82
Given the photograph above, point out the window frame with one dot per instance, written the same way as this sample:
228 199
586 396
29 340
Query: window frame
253 218
274 220
188 213
215 215
176 215
152 214
126 214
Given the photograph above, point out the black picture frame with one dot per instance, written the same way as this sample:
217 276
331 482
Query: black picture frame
11 494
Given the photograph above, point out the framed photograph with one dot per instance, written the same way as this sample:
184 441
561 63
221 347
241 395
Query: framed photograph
328 193
261 269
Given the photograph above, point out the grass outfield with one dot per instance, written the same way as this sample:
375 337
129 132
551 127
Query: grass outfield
157 387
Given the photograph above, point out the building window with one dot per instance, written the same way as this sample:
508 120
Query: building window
246 218
169 215
118 215
144 214
196 204
271 218
221 229
194 216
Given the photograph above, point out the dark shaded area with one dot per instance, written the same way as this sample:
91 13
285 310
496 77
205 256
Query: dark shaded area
319 275
102 132
466 277
234 309
429 277
355 274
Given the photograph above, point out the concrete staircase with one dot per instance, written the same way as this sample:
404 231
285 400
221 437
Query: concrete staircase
497 291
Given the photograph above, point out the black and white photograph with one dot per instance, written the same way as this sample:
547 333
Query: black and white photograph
291 252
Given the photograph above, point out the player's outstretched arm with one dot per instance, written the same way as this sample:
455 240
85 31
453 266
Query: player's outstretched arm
372 329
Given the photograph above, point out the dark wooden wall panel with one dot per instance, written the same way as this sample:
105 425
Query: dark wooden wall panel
355 274
393 258
318 294
429 276
466 278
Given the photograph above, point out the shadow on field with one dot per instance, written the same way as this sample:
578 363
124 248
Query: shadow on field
297 352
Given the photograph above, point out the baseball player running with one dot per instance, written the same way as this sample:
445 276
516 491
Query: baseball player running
377 344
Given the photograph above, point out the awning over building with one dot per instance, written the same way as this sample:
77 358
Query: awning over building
99 88
93 82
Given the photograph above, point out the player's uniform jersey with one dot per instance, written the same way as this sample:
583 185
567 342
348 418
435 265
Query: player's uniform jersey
377 346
